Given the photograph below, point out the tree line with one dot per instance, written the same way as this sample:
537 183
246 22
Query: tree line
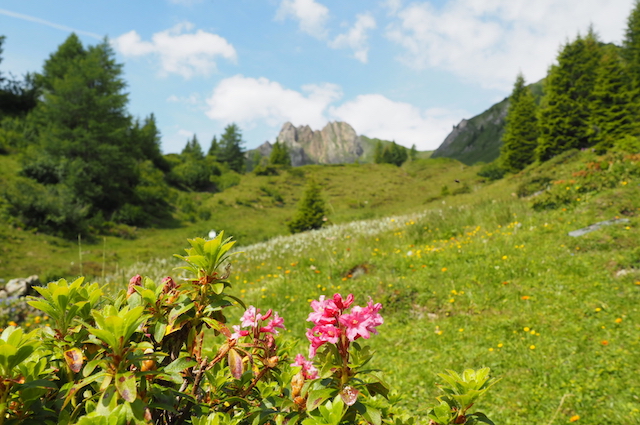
591 100
85 161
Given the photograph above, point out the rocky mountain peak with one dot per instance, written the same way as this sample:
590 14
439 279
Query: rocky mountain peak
336 143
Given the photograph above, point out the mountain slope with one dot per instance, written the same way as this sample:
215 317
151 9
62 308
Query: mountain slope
480 138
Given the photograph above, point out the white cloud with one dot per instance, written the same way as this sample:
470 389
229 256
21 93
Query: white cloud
375 115
356 37
311 16
253 102
250 101
182 53
489 41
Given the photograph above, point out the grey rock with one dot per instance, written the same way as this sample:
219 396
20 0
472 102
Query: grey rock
596 226
21 287
336 143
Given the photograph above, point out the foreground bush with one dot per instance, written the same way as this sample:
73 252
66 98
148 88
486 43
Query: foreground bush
164 354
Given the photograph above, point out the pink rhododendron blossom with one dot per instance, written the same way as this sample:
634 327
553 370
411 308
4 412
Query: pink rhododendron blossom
356 323
309 371
251 317
325 312
341 303
276 322
320 335
238 333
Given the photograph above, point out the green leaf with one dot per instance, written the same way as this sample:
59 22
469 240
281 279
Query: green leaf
372 415
126 386
179 365
317 397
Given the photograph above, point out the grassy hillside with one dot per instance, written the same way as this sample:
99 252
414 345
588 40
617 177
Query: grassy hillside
254 210
481 139
490 278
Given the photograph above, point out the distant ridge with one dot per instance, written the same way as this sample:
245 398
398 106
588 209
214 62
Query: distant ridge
480 138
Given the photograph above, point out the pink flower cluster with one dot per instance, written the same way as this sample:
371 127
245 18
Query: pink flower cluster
331 322
309 371
253 319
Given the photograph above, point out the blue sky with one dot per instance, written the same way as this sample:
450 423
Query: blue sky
393 69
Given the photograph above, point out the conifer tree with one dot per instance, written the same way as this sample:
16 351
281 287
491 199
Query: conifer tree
615 111
631 44
564 113
214 148
413 153
280 155
84 128
231 151
311 210
377 153
521 130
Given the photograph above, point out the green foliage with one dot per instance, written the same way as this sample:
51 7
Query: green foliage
631 45
393 154
52 208
280 155
628 144
377 153
311 212
461 392
565 110
230 148
521 130
614 104
192 150
163 354
492 171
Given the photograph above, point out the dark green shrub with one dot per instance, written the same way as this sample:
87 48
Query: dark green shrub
492 171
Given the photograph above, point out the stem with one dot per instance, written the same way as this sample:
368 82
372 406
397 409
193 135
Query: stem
3 403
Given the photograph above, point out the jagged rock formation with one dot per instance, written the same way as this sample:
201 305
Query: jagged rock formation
336 143
265 149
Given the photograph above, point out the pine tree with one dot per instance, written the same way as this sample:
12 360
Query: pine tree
413 153
311 210
377 153
564 113
214 148
631 44
394 154
231 152
615 111
84 125
521 131
280 155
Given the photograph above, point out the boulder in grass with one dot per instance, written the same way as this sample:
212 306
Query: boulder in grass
21 287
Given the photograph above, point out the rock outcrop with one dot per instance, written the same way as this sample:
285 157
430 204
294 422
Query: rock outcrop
336 143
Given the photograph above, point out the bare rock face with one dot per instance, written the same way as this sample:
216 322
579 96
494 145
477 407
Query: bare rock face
336 143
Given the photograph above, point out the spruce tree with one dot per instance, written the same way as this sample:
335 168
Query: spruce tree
311 210
521 130
413 153
231 152
280 155
615 111
214 148
84 128
631 44
564 113
377 153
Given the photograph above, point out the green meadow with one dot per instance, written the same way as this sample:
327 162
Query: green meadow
486 278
